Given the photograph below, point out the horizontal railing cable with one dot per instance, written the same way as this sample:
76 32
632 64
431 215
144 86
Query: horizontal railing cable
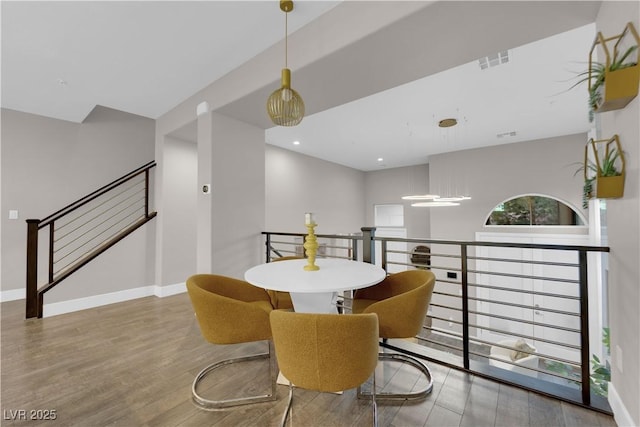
511 304
525 261
60 227
96 246
107 219
525 321
524 276
117 224
90 197
525 291
99 215
84 229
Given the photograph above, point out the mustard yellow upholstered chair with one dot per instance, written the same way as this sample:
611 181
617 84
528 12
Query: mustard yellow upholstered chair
401 301
231 311
325 352
282 300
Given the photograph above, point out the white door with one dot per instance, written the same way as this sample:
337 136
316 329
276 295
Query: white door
542 309
389 221
400 256
562 307
504 303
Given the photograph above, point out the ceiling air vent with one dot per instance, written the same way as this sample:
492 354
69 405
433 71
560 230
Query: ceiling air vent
506 134
494 60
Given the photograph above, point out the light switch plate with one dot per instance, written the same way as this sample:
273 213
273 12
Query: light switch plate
13 214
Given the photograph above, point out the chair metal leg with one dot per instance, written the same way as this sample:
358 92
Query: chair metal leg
288 409
212 405
374 405
416 395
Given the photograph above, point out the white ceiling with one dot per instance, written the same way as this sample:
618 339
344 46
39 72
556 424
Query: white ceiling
115 54
528 95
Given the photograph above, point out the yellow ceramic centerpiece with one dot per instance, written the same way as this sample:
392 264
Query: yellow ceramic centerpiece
310 243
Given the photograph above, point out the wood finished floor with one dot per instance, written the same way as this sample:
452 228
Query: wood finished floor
132 364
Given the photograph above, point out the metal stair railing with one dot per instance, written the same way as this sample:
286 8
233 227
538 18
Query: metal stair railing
83 230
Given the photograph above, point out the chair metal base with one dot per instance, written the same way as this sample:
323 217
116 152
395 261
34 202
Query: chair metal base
416 395
373 396
212 405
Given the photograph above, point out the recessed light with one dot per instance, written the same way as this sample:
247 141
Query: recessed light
447 123
380 159
296 142
62 82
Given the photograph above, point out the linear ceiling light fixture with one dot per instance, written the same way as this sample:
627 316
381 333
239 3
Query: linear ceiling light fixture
420 197
434 203
285 106
434 200
452 199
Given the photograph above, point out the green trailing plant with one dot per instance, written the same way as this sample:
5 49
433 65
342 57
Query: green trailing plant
600 372
571 375
597 75
587 192
608 164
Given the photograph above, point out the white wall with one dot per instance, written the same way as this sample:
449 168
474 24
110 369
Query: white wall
48 164
623 223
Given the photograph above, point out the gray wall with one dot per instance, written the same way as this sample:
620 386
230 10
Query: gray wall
296 183
623 219
222 233
494 174
49 163
342 198
387 186
180 178
237 197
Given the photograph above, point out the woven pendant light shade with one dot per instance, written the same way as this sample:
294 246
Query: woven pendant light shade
285 106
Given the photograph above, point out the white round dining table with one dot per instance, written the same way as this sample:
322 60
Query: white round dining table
315 291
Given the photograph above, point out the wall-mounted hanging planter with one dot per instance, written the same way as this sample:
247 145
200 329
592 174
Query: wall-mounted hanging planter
604 172
614 82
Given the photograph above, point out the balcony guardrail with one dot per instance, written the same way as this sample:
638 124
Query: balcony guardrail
488 296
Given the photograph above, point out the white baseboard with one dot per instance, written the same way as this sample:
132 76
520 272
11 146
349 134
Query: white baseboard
69 306
167 291
12 295
620 414
62 307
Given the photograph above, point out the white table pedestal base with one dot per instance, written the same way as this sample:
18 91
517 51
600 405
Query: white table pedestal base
315 302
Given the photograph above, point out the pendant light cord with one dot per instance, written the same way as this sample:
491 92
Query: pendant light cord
286 47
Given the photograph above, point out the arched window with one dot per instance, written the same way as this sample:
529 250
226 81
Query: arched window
534 209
